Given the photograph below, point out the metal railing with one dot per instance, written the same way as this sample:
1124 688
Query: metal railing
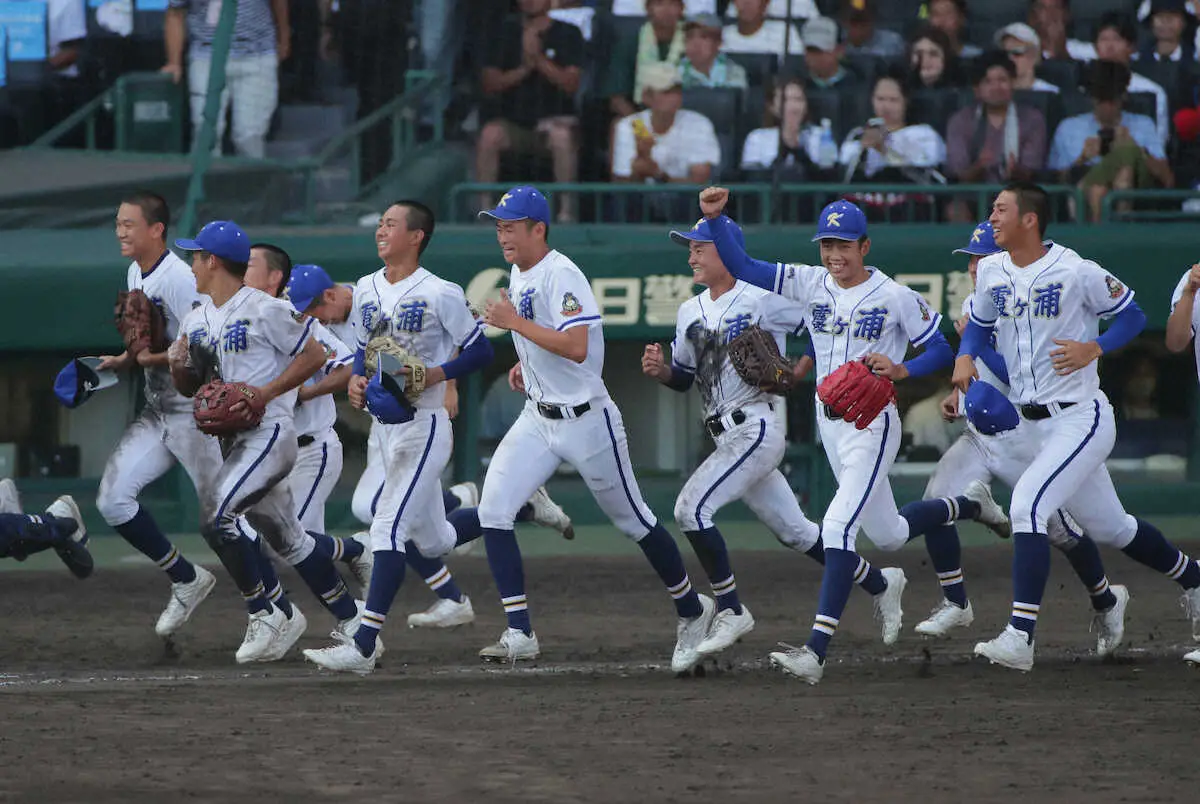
1128 206
113 98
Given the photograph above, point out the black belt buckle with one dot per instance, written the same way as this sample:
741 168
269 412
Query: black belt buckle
305 440
1035 412
829 413
713 423
556 411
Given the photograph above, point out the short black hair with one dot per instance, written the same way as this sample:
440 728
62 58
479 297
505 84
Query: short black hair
990 59
1120 22
420 217
1031 198
896 75
1108 80
238 269
153 206
530 223
277 260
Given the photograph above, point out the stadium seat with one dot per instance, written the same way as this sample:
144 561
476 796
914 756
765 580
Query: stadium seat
760 67
1170 75
1048 103
722 106
823 103
27 38
934 107
1063 73
1143 103
754 107
985 17
867 67
1086 15
902 16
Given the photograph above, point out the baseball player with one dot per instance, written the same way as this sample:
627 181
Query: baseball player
741 419
556 328
986 452
1181 330
1044 303
429 318
855 312
259 344
60 528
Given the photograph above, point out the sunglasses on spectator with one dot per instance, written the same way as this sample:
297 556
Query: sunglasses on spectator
1017 51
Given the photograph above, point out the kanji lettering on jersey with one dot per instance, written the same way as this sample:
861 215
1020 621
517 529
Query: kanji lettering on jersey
197 336
819 316
1000 294
410 316
1045 300
369 312
736 326
525 305
235 335
663 293
839 326
869 326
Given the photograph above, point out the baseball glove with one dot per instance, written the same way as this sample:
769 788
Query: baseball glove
192 366
414 381
856 393
222 409
755 357
140 323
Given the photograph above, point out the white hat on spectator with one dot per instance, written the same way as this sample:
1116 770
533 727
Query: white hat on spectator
820 33
1021 32
660 76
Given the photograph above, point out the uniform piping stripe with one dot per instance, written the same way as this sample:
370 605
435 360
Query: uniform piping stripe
317 481
924 336
246 476
887 424
416 477
576 321
303 337
1120 304
475 335
762 432
612 436
1037 499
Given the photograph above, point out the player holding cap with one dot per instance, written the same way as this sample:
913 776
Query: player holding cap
857 313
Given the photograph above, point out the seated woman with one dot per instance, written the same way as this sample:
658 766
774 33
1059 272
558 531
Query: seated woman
932 62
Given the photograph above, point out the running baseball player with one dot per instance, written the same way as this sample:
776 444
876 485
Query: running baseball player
988 452
741 420
857 314
404 308
260 352
60 528
1044 303
1181 330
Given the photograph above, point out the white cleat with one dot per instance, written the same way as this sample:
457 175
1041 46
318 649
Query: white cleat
548 513
185 598
10 500
887 604
467 494
990 512
727 628
800 662
689 634
344 657
1191 607
944 618
362 565
1012 649
444 614
346 629
262 635
1192 658
73 551
1110 625
293 628
513 646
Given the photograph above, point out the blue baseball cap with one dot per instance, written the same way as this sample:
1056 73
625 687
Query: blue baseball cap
522 203
982 243
988 410
702 233
222 238
306 285
81 378
841 220
385 399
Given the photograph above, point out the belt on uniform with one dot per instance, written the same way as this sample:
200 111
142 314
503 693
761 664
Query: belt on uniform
1037 412
829 413
563 411
715 425
305 440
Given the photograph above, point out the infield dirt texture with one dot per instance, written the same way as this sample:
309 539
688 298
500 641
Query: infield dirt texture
92 711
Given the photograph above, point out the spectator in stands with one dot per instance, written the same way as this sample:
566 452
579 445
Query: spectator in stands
995 141
704 65
1169 21
532 75
261 39
439 34
1024 50
754 33
637 8
788 143
1139 391
1052 19
1116 41
862 37
574 12
1109 148
933 65
950 17
65 91
659 41
797 10
823 56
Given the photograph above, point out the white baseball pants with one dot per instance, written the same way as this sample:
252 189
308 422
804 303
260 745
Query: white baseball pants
410 507
318 467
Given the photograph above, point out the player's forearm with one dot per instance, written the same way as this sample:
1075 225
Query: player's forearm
564 344
332 383
1124 328
995 363
975 339
677 379
1179 325
174 35
307 363
937 356
739 263
473 357
148 359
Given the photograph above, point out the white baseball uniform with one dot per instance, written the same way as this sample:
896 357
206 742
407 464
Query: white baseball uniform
164 431
319 458
751 441
255 337
1177 297
430 318
587 430
877 315
1059 296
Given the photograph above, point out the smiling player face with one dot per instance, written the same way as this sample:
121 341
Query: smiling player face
1005 219
393 239
845 259
707 267
135 236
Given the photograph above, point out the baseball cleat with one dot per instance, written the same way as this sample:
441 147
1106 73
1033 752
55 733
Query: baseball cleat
346 629
548 513
467 494
690 632
887 604
990 512
1192 658
802 662
444 614
1191 607
1109 625
344 657
262 634
362 565
945 617
1012 649
514 645
73 550
10 500
185 598
293 628
727 628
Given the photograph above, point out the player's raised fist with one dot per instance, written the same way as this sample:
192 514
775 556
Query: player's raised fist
357 390
713 201
500 313
653 364
1194 278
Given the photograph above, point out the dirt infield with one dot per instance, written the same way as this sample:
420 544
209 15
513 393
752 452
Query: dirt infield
92 711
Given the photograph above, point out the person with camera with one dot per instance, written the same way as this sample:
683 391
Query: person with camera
1109 149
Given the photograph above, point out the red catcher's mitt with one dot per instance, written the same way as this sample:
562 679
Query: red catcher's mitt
856 393
222 408
140 323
